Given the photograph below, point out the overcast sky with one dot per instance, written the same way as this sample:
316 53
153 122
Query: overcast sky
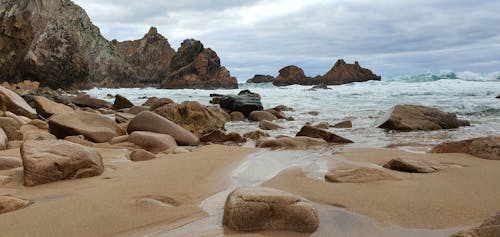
259 37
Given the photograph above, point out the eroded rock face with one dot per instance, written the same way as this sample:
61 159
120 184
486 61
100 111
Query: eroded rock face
291 75
483 147
261 79
489 228
342 73
193 66
253 209
50 161
310 131
416 117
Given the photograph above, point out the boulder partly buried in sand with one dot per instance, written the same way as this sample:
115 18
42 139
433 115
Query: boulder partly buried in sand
10 101
358 175
258 208
483 147
153 142
413 165
292 143
50 161
149 121
310 131
9 203
416 117
92 126
489 228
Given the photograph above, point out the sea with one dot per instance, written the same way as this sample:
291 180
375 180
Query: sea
469 95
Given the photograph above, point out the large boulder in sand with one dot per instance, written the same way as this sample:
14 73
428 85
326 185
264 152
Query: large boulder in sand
483 147
92 126
342 73
261 115
416 117
149 121
292 143
413 165
310 131
153 142
47 108
121 103
291 75
489 228
358 175
194 117
219 136
9 203
245 104
10 101
259 208
50 161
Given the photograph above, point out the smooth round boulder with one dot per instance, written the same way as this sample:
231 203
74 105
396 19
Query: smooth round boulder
358 175
47 108
259 208
343 124
237 116
152 142
50 161
152 122
258 116
92 126
141 155
268 125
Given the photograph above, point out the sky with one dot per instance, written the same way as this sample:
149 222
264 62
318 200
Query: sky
390 37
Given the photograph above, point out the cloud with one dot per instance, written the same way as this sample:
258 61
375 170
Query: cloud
390 37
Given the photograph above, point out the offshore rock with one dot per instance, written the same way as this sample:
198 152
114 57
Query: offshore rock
261 79
291 75
343 73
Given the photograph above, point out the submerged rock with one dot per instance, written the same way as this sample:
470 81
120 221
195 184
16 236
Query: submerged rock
314 132
253 209
483 147
416 117
343 124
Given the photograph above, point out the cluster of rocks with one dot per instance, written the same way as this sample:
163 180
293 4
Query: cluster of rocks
56 44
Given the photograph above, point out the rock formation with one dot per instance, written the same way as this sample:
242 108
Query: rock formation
482 147
292 75
193 66
261 79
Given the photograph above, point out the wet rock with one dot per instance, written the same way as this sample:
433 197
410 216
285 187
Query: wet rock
358 175
267 125
79 140
195 67
47 108
278 114
7 163
11 128
242 103
141 155
50 161
483 147
411 165
194 117
87 101
121 103
292 143
261 115
342 73
343 124
10 101
149 121
253 209
9 204
313 132
416 117
282 108
489 228
153 142
123 117
322 125
237 116
256 135
463 123
181 150
94 127
261 79
218 136
291 75
313 113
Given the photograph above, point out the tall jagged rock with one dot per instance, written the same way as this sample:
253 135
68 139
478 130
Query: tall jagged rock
342 73
193 66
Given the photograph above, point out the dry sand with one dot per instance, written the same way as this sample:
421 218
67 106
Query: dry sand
124 200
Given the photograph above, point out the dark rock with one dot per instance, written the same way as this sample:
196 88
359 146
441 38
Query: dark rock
219 136
141 155
249 93
243 103
489 228
463 123
416 117
122 103
282 108
291 75
261 79
314 132
320 87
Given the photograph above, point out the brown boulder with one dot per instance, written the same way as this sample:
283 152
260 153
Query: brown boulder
256 135
411 165
261 115
267 125
31 132
194 117
261 79
483 147
39 123
47 108
195 67
322 125
79 140
141 155
489 228
291 75
11 128
237 116
7 163
416 117
157 103
342 73
49 161
121 103
137 109
87 101
9 203
149 121
258 208
282 108
94 127
152 142
10 101
278 114
218 136
292 143
343 124
313 132
358 175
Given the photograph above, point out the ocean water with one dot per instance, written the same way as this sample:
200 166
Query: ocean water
470 95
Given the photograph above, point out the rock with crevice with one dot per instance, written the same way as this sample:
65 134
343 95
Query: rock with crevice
343 73
121 102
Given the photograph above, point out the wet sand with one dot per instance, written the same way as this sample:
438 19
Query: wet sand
183 195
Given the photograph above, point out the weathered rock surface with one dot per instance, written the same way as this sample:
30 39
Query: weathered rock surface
137 109
261 79
358 175
291 75
483 147
31 132
267 125
489 228
241 103
141 155
412 165
218 136
253 209
416 117
10 101
256 135
261 115
322 125
343 124
149 121
39 123
155 103
153 142
194 117
293 143
7 163
193 66
47 108
87 101
121 103
342 73
50 161
11 128
94 127
310 131
9 203
79 140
